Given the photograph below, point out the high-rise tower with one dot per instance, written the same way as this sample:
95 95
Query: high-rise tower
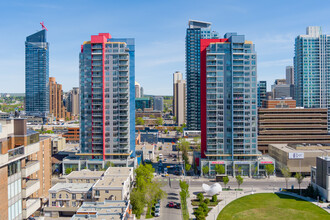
37 74
196 31
106 89
179 98
312 69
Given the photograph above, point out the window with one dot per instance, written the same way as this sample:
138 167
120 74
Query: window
73 196
53 203
60 196
106 191
97 192
54 195
73 204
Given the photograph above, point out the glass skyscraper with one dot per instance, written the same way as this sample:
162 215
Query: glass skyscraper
262 92
196 31
229 102
312 69
37 74
106 90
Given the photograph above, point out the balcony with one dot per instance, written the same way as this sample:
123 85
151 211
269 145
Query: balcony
32 205
31 187
32 148
30 168
3 159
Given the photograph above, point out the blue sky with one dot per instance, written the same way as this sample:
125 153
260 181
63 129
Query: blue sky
159 31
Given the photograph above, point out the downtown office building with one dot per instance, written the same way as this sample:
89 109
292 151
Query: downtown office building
196 31
107 97
228 78
37 74
312 69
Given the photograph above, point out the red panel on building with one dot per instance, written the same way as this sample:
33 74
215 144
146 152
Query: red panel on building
204 43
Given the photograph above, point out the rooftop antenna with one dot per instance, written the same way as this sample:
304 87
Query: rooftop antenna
43 26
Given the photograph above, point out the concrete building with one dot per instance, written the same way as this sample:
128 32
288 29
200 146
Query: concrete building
89 186
4 115
297 157
58 144
279 103
56 104
72 135
107 210
228 102
291 126
148 113
196 31
179 98
320 177
147 151
311 69
289 73
72 101
106 110
137 90
158 103
25 169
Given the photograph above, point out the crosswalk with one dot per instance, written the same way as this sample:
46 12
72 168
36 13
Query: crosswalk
165 180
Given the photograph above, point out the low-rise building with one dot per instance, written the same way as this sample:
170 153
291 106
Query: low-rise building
297 157
320 177
146 151
114 210
58 144
72 136
84 176
111 188
66 198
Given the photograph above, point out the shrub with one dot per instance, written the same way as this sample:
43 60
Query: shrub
207 201
200 197
214 198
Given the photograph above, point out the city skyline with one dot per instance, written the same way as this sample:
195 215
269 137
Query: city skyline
159 39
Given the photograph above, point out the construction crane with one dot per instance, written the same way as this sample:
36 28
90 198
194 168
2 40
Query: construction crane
43 26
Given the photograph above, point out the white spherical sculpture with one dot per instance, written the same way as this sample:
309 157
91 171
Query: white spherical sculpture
212 190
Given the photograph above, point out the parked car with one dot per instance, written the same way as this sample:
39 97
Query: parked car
174 159
157 207
170 204
157 214
165 159
177 205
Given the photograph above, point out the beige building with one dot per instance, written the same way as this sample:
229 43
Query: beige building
58 144
297 157
25 169
72 101
56 105
88 186
179 98
84 176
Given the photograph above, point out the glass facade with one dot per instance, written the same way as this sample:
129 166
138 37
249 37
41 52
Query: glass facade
37 74
262 92
231 99
311 69
195 32
105 85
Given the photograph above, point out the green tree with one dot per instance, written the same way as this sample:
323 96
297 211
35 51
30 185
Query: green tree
207 201
219 169
153 192
109 164
197 142
214 198
199 213
205 170
184 190
239 180
68 171
183 145
269 169
144 175
225 180
165 131
174 118
299 179
137 201
159 121
139 121
287 174
200 197
187 167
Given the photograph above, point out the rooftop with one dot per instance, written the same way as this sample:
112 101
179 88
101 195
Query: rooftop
110 182
302 148
71 187
118 171
85 174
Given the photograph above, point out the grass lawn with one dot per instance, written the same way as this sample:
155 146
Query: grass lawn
272 206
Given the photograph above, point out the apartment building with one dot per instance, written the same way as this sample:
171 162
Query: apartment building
25 169
72 135
88 186
56 104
